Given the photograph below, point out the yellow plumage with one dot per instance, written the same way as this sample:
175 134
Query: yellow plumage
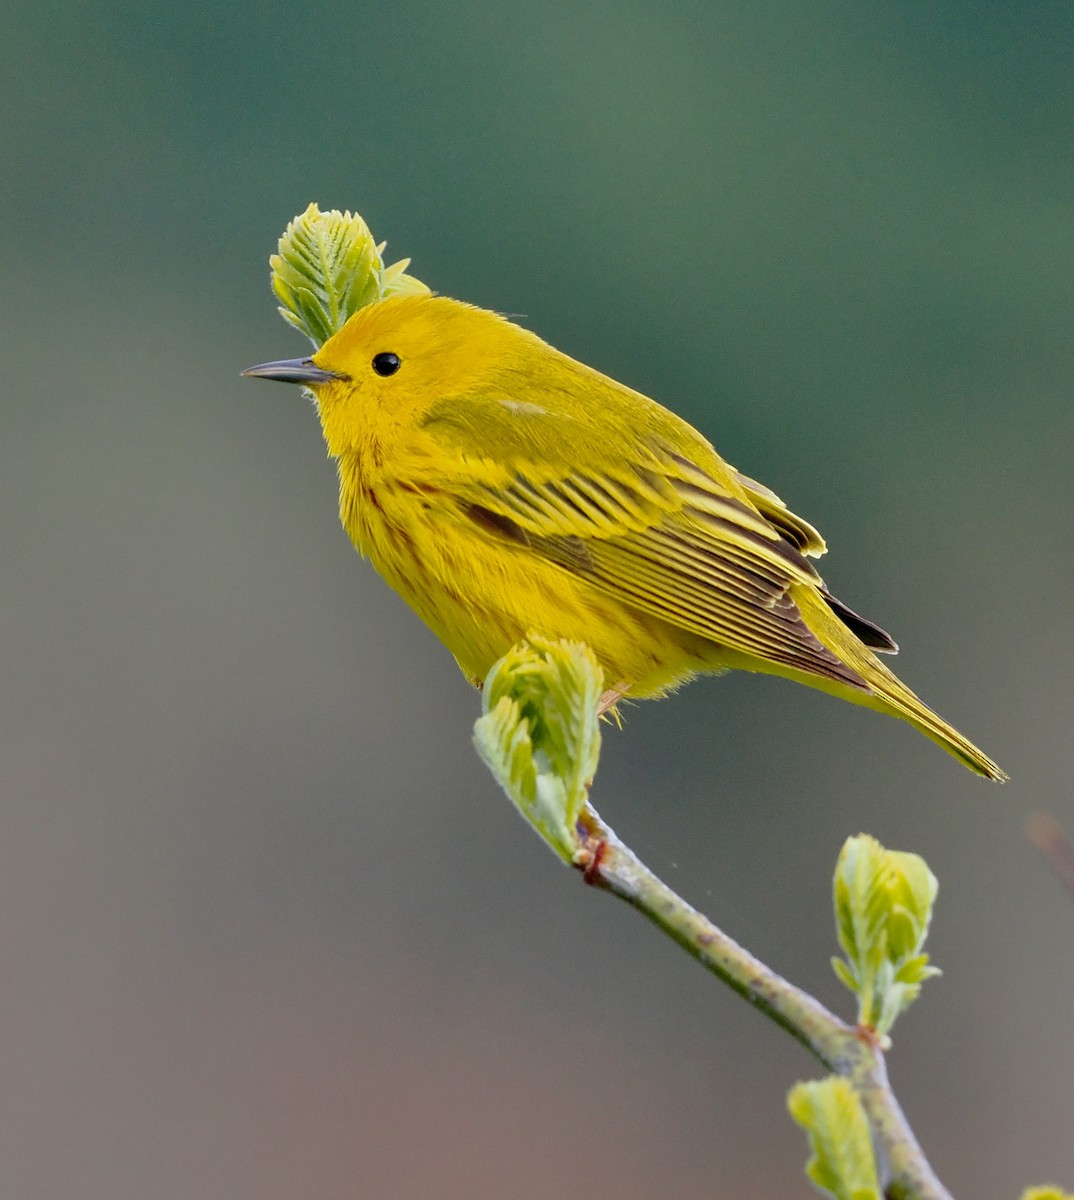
502 488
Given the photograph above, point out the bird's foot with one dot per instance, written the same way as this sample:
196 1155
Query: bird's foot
608 704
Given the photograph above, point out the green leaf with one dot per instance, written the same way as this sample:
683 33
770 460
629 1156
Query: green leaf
395 281
843 1164
883 906
540 734
844 974
327 267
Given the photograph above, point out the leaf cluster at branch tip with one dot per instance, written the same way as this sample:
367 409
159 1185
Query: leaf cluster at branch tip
328 267
540 733
843 1163
883 906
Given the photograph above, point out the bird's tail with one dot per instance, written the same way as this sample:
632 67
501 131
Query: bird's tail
885 692
901 702
868 682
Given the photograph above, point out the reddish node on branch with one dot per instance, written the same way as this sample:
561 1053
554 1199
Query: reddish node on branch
594 856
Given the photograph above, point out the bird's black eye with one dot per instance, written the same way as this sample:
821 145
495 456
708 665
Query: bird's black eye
386 363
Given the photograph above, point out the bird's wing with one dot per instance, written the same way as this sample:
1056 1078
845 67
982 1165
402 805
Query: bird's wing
687 543
799 533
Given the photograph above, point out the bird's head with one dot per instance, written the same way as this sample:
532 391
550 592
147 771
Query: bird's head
395 358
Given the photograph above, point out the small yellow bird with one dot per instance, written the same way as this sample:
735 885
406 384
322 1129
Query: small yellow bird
503 488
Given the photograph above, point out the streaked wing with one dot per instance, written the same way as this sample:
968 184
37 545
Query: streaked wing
798 532
717 556
707 563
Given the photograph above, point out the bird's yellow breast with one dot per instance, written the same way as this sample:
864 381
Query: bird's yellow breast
481 594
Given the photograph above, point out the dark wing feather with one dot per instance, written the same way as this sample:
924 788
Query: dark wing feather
674 532
693 555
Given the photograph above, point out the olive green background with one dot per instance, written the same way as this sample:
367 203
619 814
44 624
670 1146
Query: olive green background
267 928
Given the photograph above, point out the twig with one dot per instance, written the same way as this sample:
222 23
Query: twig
610 865
1054 846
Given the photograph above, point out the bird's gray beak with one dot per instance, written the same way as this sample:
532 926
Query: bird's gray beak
292 370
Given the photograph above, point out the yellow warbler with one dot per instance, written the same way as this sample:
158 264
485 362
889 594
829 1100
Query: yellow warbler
502 488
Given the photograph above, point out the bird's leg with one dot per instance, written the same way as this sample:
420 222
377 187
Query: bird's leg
610 698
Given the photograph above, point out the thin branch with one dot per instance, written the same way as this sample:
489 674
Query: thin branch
1054 847
610 865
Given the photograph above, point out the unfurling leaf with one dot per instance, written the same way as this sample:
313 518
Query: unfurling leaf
883 906
843 1164
328 267
540 733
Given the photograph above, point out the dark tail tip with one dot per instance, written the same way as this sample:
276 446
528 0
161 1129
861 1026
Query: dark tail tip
865 631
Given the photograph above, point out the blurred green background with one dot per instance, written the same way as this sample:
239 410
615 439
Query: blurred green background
267 927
